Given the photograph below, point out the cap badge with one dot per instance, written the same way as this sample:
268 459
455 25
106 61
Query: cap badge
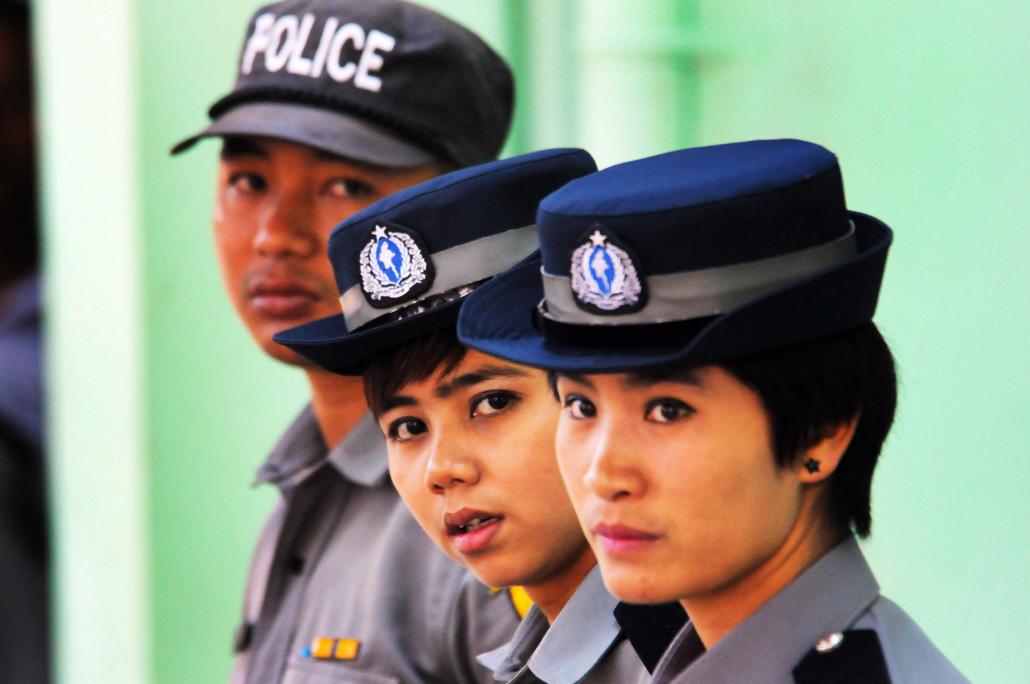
393 266
604 276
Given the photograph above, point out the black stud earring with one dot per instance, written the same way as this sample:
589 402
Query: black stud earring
812 465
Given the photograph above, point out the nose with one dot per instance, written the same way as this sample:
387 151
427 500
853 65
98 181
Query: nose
449 466
285 228
613 472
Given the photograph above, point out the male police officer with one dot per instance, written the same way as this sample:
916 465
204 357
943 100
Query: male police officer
339 103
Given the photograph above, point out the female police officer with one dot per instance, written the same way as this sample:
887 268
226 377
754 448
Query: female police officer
470 438
707 314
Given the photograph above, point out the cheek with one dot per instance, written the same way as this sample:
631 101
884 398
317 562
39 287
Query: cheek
408 477
572 455
233 235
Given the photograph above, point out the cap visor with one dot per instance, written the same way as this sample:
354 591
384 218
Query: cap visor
498 318
327 344
334 132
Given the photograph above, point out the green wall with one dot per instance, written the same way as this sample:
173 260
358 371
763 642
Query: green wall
162 408
927 105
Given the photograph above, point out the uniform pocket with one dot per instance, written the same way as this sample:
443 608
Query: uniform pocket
315 672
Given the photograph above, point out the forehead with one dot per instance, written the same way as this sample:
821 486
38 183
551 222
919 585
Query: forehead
473 369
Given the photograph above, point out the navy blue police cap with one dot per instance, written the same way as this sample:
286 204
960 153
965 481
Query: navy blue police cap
386 82
686 258
404 265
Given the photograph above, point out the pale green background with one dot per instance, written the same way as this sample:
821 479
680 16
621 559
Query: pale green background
162 408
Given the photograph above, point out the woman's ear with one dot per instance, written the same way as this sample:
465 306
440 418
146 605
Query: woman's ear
819 461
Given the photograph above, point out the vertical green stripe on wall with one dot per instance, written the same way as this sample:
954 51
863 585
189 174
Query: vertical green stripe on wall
638 63
86 68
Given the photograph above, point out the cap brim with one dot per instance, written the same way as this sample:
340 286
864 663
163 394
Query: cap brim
499 318
327 343
330 131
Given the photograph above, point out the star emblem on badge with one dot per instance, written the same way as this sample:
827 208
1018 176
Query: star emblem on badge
597 238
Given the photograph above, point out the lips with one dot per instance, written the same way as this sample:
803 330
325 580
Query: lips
281 298
471 530
621 539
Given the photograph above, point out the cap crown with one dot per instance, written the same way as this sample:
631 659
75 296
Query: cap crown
397 64
703 207
459 207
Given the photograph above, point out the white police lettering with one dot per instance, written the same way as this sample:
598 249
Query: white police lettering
370 61
603 275
391 264
299 64
258 41
348 32
284 40
318 62
284 35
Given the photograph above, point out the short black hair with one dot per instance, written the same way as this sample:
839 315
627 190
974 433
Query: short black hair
388 372
807 390
811 388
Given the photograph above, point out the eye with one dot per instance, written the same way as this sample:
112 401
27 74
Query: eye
349 188
247 182
403 429
666 410
579 407
490 403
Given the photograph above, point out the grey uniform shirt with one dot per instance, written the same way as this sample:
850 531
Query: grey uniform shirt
346 587
829 625
585 644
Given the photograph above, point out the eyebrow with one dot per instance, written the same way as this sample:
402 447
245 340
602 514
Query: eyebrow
478 376
397 401
238 148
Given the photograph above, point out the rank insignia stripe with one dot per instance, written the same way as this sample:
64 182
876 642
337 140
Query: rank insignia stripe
331 648
520 600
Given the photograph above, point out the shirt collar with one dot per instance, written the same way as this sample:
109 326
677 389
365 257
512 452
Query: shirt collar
826 598
582 634
297 454
507 660
360 457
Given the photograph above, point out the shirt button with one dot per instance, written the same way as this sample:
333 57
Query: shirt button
295 565
829 642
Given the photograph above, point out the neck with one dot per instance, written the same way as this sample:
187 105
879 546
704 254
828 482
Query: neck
551 595
715 613
338 403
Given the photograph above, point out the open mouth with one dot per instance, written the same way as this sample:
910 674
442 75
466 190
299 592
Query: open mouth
472 525
471 530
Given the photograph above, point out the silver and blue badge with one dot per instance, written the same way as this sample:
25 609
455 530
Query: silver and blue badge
605 277
394 266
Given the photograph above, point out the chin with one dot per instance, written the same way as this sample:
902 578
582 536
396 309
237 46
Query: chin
636 585
493 573
284 354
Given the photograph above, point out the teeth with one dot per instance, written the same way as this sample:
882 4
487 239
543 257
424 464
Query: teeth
475 524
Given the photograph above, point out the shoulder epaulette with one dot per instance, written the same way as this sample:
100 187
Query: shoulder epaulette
853 657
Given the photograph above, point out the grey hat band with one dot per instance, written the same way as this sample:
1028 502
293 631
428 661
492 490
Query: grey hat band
455 266
696 294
